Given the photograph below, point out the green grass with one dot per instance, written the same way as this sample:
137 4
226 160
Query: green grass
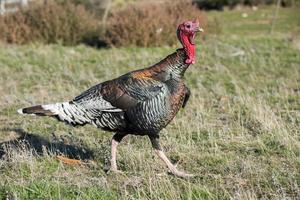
239 133
250 23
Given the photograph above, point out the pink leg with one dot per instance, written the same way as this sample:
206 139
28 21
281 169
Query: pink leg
113 160
158 150
171 167
114 144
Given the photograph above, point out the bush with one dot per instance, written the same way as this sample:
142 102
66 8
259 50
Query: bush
149 24
219 4
97 7
50 23
211 4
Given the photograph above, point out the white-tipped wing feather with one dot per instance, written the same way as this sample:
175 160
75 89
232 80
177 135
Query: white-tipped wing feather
69 112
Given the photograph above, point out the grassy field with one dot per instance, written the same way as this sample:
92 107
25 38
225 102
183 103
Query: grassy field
240 132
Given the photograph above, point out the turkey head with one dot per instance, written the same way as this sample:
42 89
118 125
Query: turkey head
186 33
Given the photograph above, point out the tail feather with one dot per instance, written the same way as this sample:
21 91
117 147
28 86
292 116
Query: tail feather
67 112
36 110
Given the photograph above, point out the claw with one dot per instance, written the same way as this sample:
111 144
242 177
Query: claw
182 174
178 173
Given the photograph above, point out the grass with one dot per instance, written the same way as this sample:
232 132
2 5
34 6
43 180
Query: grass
239 133
250 23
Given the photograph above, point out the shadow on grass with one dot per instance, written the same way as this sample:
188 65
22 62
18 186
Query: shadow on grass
66 146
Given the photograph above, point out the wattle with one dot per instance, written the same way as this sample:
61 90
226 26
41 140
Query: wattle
190 49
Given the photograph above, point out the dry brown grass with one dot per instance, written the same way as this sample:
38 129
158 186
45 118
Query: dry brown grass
149 24
141 24
50 23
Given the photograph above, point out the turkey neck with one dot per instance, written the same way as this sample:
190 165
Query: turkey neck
172 67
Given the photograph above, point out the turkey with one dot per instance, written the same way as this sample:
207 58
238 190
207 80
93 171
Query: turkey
141 102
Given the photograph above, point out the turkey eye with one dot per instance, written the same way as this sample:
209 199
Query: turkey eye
188 26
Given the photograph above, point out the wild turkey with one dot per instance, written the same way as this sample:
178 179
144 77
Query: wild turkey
142 102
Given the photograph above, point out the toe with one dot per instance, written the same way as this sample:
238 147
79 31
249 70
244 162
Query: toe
115 171
182 174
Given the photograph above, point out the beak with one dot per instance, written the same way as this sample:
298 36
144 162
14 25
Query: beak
199 29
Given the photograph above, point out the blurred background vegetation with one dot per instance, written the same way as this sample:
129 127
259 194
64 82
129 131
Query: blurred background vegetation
113 22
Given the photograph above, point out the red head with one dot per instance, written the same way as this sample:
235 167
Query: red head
186 33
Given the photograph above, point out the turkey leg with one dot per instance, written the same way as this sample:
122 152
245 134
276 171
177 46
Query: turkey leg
114 144
158 150
113 159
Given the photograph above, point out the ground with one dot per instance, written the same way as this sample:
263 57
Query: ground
239 133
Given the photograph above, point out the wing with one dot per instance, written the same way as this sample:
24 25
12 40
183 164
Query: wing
119 94
127 91
187 97
92 99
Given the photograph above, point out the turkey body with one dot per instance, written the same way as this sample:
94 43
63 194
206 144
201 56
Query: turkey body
141 102
144 114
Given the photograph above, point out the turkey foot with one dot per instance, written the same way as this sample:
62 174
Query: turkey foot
172 167
158 150
114 170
